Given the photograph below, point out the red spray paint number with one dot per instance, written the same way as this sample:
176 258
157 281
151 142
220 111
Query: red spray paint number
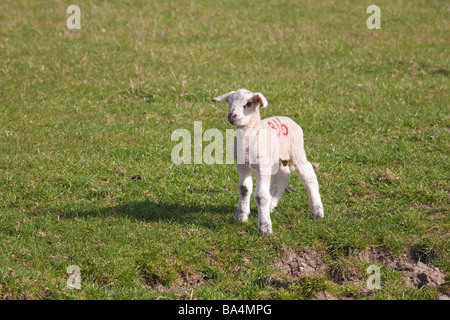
280 127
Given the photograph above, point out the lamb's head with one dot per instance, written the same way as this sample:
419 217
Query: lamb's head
242 106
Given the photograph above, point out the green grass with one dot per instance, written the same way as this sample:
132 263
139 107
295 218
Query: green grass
83 111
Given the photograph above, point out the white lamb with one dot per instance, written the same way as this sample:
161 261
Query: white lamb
267 146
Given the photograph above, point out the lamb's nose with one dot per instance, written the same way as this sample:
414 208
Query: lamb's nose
232 118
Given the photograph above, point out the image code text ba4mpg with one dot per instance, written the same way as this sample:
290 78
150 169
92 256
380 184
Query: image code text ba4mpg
243 309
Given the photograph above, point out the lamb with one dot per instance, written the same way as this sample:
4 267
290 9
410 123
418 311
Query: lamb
267 146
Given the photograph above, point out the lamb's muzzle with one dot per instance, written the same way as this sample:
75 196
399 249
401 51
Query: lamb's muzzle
267 146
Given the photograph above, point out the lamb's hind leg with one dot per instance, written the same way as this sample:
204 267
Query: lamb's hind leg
278 185
309 179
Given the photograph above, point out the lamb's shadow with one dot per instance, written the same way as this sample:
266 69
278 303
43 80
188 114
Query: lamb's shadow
205 215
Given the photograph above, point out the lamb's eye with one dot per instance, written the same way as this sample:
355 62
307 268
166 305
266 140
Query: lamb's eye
248 105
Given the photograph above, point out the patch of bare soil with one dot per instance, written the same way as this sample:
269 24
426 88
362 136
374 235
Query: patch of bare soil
211 257
307 262
293 265
184 286
415 273
186 280
443 296
325 295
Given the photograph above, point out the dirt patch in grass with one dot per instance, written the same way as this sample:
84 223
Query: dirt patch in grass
421 275
167 279
307 262
415 273
191 280
310 262
325 295
211 257
293 265
184 282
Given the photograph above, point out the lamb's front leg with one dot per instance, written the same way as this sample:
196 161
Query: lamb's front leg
262 199
245 191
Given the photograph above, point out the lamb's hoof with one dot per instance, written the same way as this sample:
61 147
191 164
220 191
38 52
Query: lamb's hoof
265 229
317 213
241 217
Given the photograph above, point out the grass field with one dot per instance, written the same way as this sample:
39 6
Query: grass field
84 111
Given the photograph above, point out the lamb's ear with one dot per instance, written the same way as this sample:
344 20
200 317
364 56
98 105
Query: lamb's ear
258 97
223 98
